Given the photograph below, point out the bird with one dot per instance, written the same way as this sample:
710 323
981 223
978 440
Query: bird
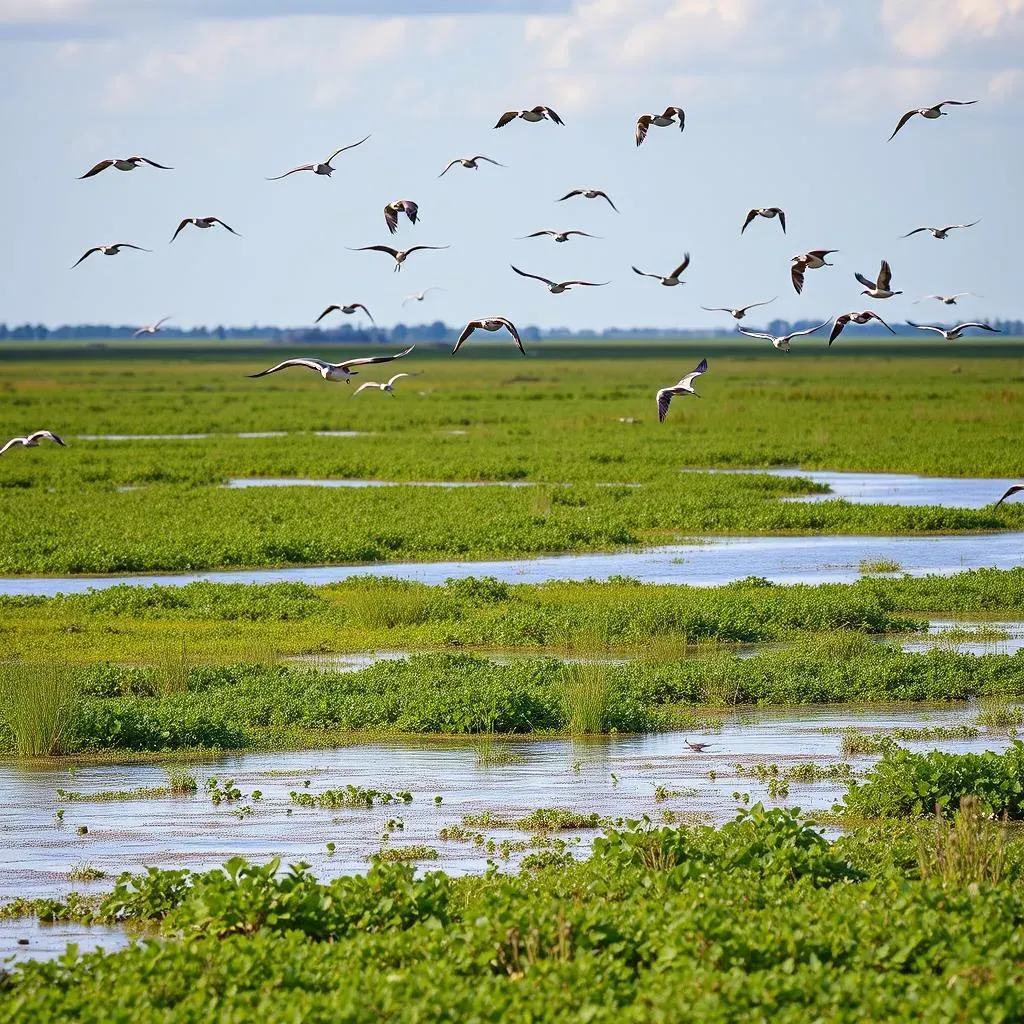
878 289
699 747
152 328
333 371
388 388
108 250
589 193
490 323
316 168
349 309
942 232
399 255
538 113
1012 489
684 387
202 222
947 300
765 211
557 287
470 163
808 261
32 440
931 113
392 210
558 236
420 296
127 163
781 341
953 332
863 317
673 279
644 121
740 312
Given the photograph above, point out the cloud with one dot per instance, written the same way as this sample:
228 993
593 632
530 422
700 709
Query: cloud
923 30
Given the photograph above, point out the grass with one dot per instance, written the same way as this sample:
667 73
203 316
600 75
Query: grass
38 702
114 795
585 696
404 854
968 850
879 565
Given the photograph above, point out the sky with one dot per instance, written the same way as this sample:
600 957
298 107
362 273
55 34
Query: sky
788 103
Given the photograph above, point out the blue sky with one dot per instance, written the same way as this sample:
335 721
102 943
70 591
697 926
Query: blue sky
788 103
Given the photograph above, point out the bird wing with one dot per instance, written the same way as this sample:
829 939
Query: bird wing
884 276
914 232
367 360
954 103
217 220
490 161
750 216
416 248
329 309
309 362
678 112
583 233
604 195
754 305
538 234
359 305
806 330
128 245
983 327
141 330
162 319
351 145
179 228
664 401
902 121
643 122
153 163
391 219
837 327
509 115
863 280
301 167
13 443
875 316
688 379
588 284
466 332
971 225
682 266
397 376
720 309
448 168
88 252
364 386
644 273
782 218
569 195
1012 489
796 273
756 334
550 113
926 327
377 248
39 435
412 210
511 328
101 166
536 277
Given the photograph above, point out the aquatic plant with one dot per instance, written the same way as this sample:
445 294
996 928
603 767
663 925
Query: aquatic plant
350 796
967 850
403 854
585 697
38 701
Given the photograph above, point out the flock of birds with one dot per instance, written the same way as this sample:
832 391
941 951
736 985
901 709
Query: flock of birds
879 289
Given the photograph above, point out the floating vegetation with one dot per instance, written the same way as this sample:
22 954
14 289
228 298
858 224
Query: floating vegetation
1001 716
112 795
350 796
870 566
403 854
85 873
936 732
494 753
181 781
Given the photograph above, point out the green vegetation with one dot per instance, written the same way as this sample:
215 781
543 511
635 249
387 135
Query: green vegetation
37 700
880 565
404 854
350 796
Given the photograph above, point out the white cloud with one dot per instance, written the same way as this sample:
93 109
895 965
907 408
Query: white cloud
922 29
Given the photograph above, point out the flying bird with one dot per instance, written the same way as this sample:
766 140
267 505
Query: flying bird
684 387
128 163
947 300
324 168
420 296
644 121
538 113
863 317
470 163
781 341
878 289
741 311
347 310
1012 489
557 287
931 113
399 255
388 388
589 193
490 323
108 250
202 222
953 332
941 232
392 210
558 236
808 261
333 371
152 328
32 440
768 212
673 279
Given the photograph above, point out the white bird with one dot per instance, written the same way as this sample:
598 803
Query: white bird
878 289
1012 489
672 279
931 113
152 328
127 163
953 332
589 193
557 287
863 317
538 113
947 300
942 232
768 212
32 440
203 223
324 168
558 236
108 250
684 387
781 341
399 255
490 323
392 210
470 163
333 371
388 388
644 121
420 296
347 310
741 311
811 260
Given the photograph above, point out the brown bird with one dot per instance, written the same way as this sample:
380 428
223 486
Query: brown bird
128 163
470 163
538 113
673 279
557 287
862 317
768 212
202 222
392 210
931 113
589 193
878 289
319 168
644 121
699 747
399 255
808 261
490 323
108 250
348 310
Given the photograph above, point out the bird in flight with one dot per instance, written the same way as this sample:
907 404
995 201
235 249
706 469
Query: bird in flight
152 328
32 440
347 310
558 236
684 387
319 168
644 121
931 113
589 193
863 317
399 255
1012 489
108 250
470 163
768 212
781 341
879 289
808 261
953 332
388 388
947 300
202 222
490 323
941 232
672 279
741 311
538 113
557 287
333 371
128 163
420 296
392 210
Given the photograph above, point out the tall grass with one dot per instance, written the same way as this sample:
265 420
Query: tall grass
37 702
585 693
968 850
388 605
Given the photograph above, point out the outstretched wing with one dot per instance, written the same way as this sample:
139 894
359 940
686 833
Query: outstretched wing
884 276
983 327
490 161
359 305
88 252
303 167
416 248
901 122
13 443
329 309
756 334
377 248
391 219
796 273
926 327
914 232
39 435
153 163
550 113
808 330
466 332
101 166
750 216
875 316
351 145
511 328
863 280
664 401
397 376
782 218
569 195
364 386
311 364
682 266
217 220
587 284
643 122
509 115
536 277
644 273
180 227
837 327
367 360
954 103
605 196
1012 489
971 225
448 168
687 381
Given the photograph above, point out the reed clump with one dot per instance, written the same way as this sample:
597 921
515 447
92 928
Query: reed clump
37 701
585 697
968 849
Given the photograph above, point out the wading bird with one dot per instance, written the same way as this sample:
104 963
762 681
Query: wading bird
558 236
557 287
333 371
420 296
392 210
152 328
108 250
203 223
931 113
767 212
953 333
811 260
388 388
741 311
942 232
324 168
781 341
470 163
684 387
128 163
878 289
673 279
1012 489
863 317
698 747
399 255
490 323
589 193
644 121
947 300
347 310
32 440
538 113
